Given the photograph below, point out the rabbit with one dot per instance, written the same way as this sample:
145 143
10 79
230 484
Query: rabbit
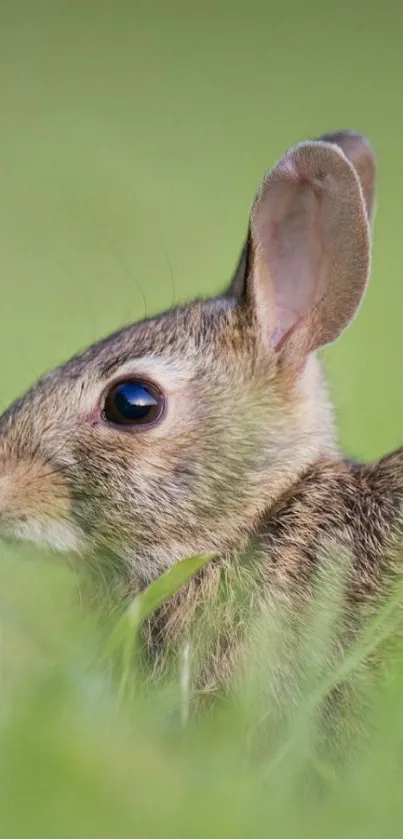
209 428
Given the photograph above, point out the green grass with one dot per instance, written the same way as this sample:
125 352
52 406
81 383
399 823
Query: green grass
133 138
90 748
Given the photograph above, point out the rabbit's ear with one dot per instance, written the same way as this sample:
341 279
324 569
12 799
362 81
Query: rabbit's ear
237 285
309 252
359 152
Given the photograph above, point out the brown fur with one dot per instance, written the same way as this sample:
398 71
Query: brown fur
244 464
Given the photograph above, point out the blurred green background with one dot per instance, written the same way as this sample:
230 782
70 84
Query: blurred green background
133 137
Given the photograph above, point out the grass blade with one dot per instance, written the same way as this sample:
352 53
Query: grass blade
125 633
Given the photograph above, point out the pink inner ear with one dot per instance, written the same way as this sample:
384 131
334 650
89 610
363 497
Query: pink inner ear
310 248
294 252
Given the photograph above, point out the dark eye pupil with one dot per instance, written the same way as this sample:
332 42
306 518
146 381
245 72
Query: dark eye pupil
133 403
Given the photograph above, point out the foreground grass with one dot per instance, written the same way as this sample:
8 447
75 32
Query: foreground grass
89 750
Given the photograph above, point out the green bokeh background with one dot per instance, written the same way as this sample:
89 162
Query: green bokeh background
133 137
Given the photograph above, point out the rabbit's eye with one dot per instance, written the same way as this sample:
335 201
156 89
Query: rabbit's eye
133 403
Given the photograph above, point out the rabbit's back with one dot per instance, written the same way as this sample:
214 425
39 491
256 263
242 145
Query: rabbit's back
341 505
340 528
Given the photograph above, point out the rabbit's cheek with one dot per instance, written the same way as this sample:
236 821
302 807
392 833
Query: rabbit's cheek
35 505
60 536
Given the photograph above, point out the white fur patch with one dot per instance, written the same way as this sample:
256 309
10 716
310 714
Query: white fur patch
53 534
171 374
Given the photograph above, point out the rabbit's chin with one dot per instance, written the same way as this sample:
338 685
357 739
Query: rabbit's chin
61 536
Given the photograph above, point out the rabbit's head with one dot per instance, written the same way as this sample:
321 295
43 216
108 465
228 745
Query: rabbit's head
173 436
